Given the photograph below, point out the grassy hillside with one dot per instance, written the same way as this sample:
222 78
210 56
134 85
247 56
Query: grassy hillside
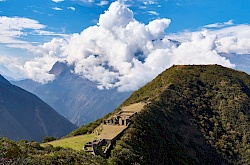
197 115
32 153
76 142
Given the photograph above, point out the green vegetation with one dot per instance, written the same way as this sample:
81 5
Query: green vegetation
85 129
49 139
31 153
76 142
197 115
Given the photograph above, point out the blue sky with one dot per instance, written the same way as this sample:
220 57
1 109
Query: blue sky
110 42
185 14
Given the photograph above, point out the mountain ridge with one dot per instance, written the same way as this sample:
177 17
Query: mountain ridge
198 115
195 114
3 80
25 116
74 97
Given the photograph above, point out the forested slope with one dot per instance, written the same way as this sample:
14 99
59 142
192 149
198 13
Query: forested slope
197 115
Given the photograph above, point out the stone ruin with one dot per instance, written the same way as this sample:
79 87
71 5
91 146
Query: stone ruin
122 118
97 147
102 146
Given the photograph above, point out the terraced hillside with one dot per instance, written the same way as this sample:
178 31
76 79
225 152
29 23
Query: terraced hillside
103 131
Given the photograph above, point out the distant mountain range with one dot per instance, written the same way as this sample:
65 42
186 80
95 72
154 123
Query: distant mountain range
80 101
25 116
76 98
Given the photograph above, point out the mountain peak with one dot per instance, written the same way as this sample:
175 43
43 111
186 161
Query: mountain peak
198 112
58 68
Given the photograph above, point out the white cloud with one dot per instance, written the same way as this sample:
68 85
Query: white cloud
219 25
102 3
150 2
35 69
199 50
121 52
57 1
71 8
234 39
38 69
13 64
142 7
12 28
12 31
118 15
57 8
83 1
153 13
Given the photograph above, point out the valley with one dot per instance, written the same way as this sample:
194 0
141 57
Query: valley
122 82
76 98
189 114
25 116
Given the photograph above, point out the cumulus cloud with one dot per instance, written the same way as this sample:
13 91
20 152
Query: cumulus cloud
37 68
120 52
234 39
124 53
118 15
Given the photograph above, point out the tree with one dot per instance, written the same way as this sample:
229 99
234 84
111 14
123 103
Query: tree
49 139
